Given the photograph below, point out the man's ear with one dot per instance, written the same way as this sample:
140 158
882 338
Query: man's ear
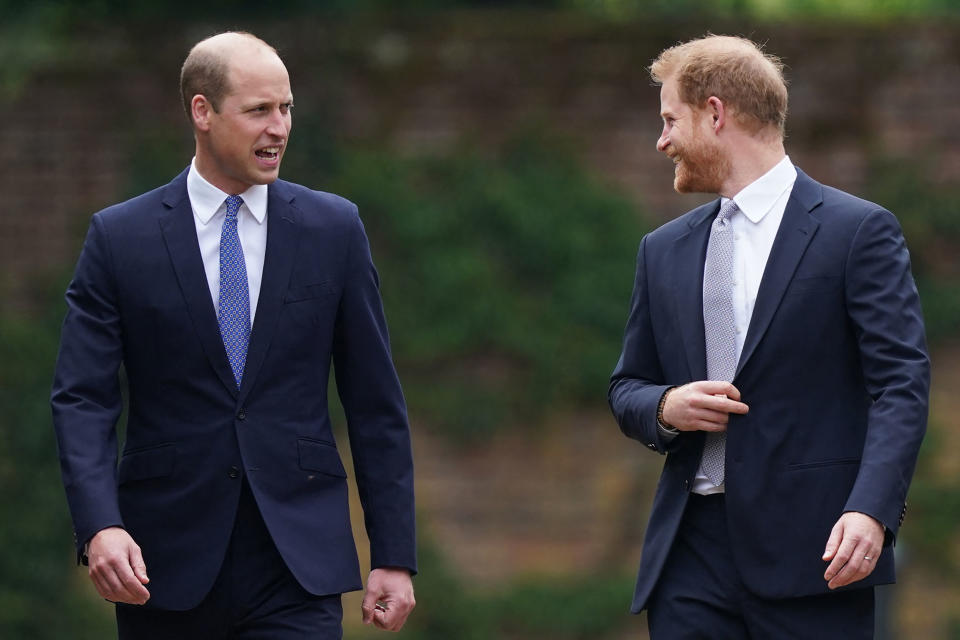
717 112
200 112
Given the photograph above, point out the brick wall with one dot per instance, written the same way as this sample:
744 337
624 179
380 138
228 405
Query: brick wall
72 132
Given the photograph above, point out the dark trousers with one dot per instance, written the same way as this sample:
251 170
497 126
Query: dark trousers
700 595
255 597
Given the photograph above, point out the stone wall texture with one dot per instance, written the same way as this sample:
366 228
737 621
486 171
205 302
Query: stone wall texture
72 132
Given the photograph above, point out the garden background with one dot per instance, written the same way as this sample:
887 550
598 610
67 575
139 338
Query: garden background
502 156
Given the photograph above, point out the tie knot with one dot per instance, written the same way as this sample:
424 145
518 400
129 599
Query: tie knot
727 210
233 205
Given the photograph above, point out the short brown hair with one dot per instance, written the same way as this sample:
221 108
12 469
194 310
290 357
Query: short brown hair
206 70
733 69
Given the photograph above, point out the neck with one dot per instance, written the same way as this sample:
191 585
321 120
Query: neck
207 168
750 158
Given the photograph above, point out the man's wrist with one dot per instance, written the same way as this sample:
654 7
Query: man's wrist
661 423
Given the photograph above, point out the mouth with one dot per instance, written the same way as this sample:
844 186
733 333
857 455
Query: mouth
269 154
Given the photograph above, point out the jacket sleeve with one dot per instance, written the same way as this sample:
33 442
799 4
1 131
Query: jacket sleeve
884 308
637 382
86 399
376 412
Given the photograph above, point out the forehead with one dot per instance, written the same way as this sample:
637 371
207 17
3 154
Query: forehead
670 97
258 75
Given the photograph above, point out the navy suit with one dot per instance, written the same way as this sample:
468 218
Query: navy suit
140 297
835 372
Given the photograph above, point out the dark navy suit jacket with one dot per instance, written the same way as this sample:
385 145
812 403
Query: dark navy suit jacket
834 369
140 297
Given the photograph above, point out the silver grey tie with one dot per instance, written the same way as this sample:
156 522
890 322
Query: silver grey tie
719 326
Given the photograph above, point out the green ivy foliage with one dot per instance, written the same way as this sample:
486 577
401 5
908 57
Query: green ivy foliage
927 211
39 598
588 607
506 276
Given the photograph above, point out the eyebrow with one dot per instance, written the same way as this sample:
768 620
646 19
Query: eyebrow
253 104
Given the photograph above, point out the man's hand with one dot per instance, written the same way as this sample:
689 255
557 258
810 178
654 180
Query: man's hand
389 598
702 406
116 567
854 547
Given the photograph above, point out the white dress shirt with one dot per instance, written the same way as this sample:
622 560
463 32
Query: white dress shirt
209 212
755 225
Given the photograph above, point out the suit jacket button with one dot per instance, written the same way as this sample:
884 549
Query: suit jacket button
242 414
686 485
234 472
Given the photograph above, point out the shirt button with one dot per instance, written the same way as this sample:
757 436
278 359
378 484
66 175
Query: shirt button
234 472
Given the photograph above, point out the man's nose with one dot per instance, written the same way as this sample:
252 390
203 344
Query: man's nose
277 126
663 141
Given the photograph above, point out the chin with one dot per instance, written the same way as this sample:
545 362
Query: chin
266 177
695 182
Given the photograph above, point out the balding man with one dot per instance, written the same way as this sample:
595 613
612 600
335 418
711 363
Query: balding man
226 295
775 352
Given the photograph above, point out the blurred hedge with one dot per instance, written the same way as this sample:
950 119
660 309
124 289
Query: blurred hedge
505 274
588 607
927 211
38 598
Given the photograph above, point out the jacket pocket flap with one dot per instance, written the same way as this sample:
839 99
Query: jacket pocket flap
155 462
319 456
318 290
814 283
819 464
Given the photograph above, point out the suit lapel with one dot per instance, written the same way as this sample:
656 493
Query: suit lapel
180 235
277 266
690 250
796 231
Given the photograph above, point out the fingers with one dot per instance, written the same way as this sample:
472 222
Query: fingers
854 546
850 564
833 542
717 388
138 565
117 568
116 582
388 612
389 599
708 420
705 405
368 606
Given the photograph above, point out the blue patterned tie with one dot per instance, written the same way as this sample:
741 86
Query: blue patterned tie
719 326
233 308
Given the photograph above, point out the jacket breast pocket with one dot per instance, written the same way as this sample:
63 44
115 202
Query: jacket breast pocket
143 464
820 464
309 305
309 292
814 284
316 455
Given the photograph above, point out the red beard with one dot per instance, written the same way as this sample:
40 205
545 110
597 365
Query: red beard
702 167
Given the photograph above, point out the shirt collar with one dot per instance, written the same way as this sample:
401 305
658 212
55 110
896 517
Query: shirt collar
207 200
757 198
